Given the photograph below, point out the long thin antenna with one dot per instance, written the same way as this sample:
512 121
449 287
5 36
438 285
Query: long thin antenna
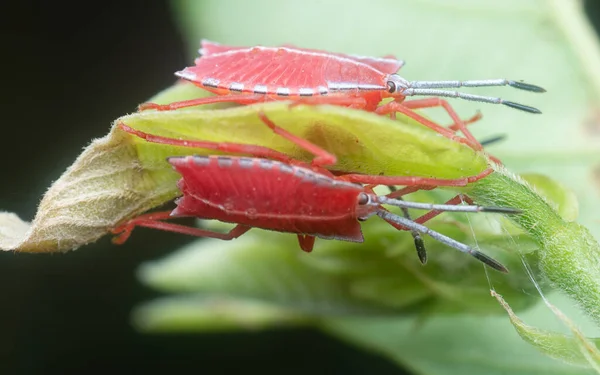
475 83
475 98
447 207
395 219
397 84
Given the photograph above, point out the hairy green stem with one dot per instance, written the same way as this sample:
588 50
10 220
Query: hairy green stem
569 254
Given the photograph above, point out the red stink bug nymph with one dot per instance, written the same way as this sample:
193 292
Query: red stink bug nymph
275 192
247 75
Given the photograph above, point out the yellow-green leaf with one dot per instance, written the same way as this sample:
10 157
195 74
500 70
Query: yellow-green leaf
575 349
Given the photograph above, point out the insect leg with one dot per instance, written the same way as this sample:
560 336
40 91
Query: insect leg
394 106
438 102
413 180
418 240
306 242
409 189
346 101
227 147
433 213
240 99
153 220
322 157
473 119
494 139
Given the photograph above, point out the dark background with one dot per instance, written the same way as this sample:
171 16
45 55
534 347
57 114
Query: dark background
67 71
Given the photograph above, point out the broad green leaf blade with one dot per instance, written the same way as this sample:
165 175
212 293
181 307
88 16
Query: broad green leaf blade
362 142
450 345
189 313
262 266
575 348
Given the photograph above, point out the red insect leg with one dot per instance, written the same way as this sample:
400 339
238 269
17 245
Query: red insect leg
153 220
431 214
408 189
306 242
458 124
413 180
239 99
394 106
226 147
438 102
345 101
355 102
322 157
476 117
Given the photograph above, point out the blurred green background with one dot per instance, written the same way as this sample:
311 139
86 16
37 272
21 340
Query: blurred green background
69 71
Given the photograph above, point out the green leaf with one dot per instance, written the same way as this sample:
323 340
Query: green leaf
187 314
406 150
263 266
445 345
575 349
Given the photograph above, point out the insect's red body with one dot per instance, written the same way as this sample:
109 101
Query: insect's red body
387 64
291 73
270 195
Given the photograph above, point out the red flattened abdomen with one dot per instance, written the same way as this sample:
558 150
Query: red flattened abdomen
387 64
267 194
285 72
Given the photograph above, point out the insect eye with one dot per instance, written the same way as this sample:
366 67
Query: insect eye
391 86
363 199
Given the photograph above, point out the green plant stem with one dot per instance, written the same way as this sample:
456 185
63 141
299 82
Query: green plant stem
569 254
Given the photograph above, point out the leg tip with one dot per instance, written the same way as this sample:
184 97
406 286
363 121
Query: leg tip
120 238
421 251
147 106
490 261
495 139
